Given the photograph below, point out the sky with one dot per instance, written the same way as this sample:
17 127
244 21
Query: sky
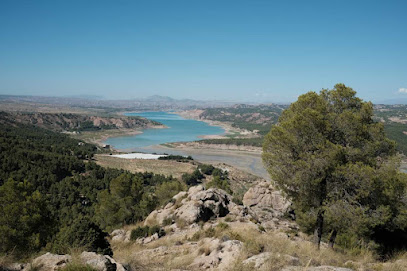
253 51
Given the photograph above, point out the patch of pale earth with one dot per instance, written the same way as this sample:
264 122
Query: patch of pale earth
398 120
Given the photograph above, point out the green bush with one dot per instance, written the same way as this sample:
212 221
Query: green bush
167 190
206 169
220 183
141 232
178 158
192 179
83 234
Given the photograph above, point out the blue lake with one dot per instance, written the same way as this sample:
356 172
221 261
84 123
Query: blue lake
179 130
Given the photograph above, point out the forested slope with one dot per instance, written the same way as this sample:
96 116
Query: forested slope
52 195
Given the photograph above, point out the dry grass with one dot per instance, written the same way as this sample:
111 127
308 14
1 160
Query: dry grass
183 247
5 261
165 167
280 246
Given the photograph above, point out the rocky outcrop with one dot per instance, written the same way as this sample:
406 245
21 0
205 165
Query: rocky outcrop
101 262
53 262
264 195
259 260
262 203
316 268
204 205
196 205
268 206
120 235
218 254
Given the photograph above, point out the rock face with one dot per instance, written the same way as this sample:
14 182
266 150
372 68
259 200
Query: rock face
196 205
53 262
262 203
264 195
221 255
316 268
120 235
267 205
259 260
204 205
101 262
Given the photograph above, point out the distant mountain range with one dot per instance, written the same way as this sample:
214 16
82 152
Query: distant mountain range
155 102
393 101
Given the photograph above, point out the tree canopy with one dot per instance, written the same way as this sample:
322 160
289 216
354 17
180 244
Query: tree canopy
51 197
337 166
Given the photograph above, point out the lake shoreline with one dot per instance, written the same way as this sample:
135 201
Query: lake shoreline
168 120
246 158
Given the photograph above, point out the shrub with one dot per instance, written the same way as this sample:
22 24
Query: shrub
220 183
146 231
206 169
167 190
168 221
222 226
178 158
139 232
253 247
83 234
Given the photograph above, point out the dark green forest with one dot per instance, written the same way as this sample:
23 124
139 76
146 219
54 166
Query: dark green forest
54 197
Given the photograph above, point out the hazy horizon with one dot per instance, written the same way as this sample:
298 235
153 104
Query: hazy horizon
254 51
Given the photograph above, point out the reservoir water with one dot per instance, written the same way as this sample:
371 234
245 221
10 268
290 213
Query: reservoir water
179 130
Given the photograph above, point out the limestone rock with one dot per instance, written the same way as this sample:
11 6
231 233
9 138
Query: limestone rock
149 239
316 268
120 235
260 259
101 262
221 256
203 205
267 206
14 267
195 205
264 195
51 262
180 195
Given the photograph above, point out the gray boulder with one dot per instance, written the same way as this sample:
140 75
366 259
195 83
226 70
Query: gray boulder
51 262
101 262
195 205
204 205
316 268
259 260
264 195
221 255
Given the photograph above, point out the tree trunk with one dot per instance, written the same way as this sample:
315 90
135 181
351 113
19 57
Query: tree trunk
320 216
319 228
332 239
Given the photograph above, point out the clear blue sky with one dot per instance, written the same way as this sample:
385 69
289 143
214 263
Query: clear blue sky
235 50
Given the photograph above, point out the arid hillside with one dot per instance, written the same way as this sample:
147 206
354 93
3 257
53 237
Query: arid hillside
77 122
